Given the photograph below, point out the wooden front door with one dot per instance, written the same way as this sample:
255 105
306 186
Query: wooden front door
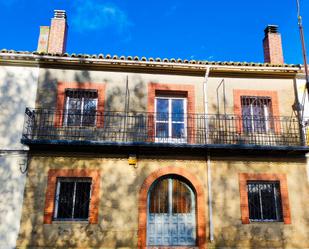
171 219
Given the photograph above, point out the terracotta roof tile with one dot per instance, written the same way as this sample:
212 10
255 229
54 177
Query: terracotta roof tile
150 59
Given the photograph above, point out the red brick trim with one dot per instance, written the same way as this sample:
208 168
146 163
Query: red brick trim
142 204
244 205
173 89
51 191
62 86
260 93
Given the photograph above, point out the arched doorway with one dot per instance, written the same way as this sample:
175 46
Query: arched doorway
191 181
171 219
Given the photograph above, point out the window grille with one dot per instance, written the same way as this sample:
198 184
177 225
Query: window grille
72 198
256 114
264 201
81 106
171 219
171 196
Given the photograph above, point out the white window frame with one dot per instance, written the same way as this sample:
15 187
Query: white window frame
82 111
169 139
75 180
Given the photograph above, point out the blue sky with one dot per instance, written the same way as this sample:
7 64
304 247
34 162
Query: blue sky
201 30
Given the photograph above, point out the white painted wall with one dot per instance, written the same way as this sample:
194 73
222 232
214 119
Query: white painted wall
18 86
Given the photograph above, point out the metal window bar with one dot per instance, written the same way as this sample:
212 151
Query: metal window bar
257 114
80 108
72 198
140 127
264 201
170 195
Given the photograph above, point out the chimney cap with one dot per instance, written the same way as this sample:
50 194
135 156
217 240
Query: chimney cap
271 29
60 14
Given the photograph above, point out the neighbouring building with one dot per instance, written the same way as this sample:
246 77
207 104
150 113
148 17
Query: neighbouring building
18 87
128 152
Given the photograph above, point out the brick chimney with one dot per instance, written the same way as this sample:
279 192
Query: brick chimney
43 39
53 39
272 45
58 33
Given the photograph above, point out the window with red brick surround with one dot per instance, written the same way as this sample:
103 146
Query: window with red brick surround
200 208
244 205
60 106
238 93
172 89
53 174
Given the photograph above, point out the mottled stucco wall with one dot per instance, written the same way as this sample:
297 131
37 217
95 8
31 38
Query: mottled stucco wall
119 193
118 208
18 87
115 83
231 233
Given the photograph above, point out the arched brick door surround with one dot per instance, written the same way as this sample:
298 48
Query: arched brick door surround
142 205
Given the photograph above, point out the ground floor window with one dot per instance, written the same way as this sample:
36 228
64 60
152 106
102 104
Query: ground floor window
264 201
72 198
264 197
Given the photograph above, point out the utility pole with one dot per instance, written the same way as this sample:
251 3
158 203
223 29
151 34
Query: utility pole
302 39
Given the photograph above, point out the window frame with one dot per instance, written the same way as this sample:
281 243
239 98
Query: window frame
61 101
170 202
244 201
170 122
237 93
66 110
277 202
265 118
75 180
51 189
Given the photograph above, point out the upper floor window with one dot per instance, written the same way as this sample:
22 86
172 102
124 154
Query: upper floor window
256 113
80 107
264 201
170 121
72 198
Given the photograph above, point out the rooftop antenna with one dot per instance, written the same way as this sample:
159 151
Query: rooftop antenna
302 39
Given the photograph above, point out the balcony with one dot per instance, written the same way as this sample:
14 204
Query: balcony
44 126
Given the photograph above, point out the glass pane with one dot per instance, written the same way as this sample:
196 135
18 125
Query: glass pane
158 199
247 119
178 130
162 130
162 109
182 199
82 200
258 118
73 110
254 202
268 202
278 202
178 110
65 200
89 112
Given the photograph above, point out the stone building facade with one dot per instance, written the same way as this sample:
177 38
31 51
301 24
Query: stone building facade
136 153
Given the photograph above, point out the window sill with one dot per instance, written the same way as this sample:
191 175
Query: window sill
265 221
70 222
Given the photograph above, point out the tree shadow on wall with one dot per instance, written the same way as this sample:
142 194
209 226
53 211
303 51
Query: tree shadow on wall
231 233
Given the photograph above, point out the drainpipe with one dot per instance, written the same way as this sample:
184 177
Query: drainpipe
211 229
307 166
211 226
206 103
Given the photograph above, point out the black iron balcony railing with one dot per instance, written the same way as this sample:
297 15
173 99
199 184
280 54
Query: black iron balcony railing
156 128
